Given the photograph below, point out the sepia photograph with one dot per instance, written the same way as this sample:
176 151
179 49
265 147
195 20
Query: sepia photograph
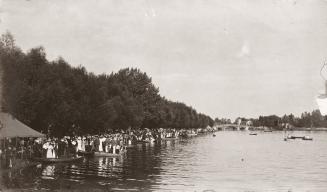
163 95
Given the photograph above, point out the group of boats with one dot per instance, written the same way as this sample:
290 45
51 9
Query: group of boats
307 138
80 156
88 154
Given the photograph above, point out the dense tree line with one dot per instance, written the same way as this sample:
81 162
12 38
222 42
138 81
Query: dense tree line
307 119
219 121
54 97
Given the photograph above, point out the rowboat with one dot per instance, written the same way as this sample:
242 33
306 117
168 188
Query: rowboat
307 138
169 138
86 153
145 141
57 160
295 137
105 154
300 137
253 134
130 146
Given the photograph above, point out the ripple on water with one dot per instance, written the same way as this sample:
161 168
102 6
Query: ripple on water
231 161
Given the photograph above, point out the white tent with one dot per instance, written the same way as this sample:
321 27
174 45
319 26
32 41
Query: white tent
12 127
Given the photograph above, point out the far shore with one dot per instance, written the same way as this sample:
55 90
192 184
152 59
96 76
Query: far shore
294 129
309 129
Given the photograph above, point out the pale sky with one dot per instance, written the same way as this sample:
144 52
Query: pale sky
225 58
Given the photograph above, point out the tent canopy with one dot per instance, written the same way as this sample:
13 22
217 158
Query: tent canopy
11 127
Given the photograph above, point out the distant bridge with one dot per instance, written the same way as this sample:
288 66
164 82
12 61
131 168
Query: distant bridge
234 127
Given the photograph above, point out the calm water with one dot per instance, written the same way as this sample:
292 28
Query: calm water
196 164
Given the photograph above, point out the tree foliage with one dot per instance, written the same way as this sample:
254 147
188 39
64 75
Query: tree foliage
307 119
54 97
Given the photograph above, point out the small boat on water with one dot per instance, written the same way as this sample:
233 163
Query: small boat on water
191 134
145 141
214 135
307 138
130 146
57 160
86 153
294 137
105 154
169 138
253 134
300 137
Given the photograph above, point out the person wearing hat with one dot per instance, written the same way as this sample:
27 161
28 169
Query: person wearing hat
84 143
79 144
96 143
101 146
74 145
49 148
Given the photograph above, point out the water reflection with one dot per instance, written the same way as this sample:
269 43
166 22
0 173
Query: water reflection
231 161
48 172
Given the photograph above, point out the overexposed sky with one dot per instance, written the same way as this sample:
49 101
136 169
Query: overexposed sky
225 58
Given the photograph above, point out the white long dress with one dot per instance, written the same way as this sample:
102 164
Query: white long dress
50 151
46 146
79 144
102 139
83 143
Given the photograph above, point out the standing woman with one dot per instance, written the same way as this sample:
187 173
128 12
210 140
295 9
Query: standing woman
97 143
47 146
74 146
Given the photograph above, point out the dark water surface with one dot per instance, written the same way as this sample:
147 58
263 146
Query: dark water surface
231 161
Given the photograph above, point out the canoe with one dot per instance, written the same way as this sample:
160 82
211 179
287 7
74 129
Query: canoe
307 138
295 137
105 154
169 138
57 160
86 153
145 141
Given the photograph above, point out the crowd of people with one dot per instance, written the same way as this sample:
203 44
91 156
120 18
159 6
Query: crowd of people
70 146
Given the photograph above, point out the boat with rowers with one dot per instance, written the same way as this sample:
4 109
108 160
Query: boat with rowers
191 134
85 153
152 140
169 138
106 154
58 160
299 137
307 138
